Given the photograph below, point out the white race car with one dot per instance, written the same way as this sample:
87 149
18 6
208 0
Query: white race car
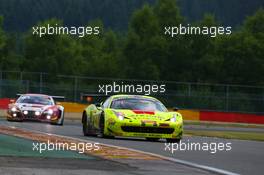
36 107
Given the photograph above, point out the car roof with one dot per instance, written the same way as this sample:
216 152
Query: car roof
136 96
29 94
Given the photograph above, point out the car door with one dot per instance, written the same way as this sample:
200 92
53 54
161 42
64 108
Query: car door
96 117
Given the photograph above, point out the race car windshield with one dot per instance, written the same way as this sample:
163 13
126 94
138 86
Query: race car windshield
35 100
138 104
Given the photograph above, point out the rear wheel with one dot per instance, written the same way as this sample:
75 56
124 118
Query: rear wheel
87 131
101 126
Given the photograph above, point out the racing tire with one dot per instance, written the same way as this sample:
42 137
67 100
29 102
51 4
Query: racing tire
152 139
87 131
173 140
101 126
61 123
58 124
101 131
13 120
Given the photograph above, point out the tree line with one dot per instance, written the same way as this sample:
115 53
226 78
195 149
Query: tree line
144 52
115 14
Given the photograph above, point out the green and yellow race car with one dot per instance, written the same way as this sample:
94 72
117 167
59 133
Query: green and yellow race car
132 116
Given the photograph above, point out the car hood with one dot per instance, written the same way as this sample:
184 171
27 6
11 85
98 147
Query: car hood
31 107
147 115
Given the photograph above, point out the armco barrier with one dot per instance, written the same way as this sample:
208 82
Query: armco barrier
231 117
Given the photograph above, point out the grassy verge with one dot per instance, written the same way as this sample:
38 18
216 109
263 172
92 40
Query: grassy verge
228 134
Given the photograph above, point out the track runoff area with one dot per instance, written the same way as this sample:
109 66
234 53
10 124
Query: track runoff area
121 155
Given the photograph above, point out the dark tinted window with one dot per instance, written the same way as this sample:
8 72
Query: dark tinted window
138 104
35 100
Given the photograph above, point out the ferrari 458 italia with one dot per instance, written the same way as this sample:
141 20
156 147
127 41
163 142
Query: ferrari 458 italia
132 116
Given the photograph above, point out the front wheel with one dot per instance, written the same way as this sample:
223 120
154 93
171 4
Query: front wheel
10 120
152 139
61 122
102 129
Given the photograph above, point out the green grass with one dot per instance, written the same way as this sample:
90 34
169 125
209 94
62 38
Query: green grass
15 146
228 134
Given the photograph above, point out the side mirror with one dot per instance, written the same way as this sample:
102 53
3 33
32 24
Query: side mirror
98 105
175 109
12 101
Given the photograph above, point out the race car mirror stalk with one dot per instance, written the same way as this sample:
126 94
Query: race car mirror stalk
98 105
175 109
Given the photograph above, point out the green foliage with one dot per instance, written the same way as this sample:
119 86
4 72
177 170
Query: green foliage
144 52
9 59
51 53
22 14
142 45
254 24
2 35
168 13
242 53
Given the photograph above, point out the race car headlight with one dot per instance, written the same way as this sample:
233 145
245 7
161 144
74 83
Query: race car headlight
174 118
25 112
37 113
50 111
120 115
13 109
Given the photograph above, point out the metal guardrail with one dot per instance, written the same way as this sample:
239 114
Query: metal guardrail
188 95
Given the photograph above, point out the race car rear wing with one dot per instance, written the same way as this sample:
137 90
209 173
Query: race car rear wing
58 97
19 95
